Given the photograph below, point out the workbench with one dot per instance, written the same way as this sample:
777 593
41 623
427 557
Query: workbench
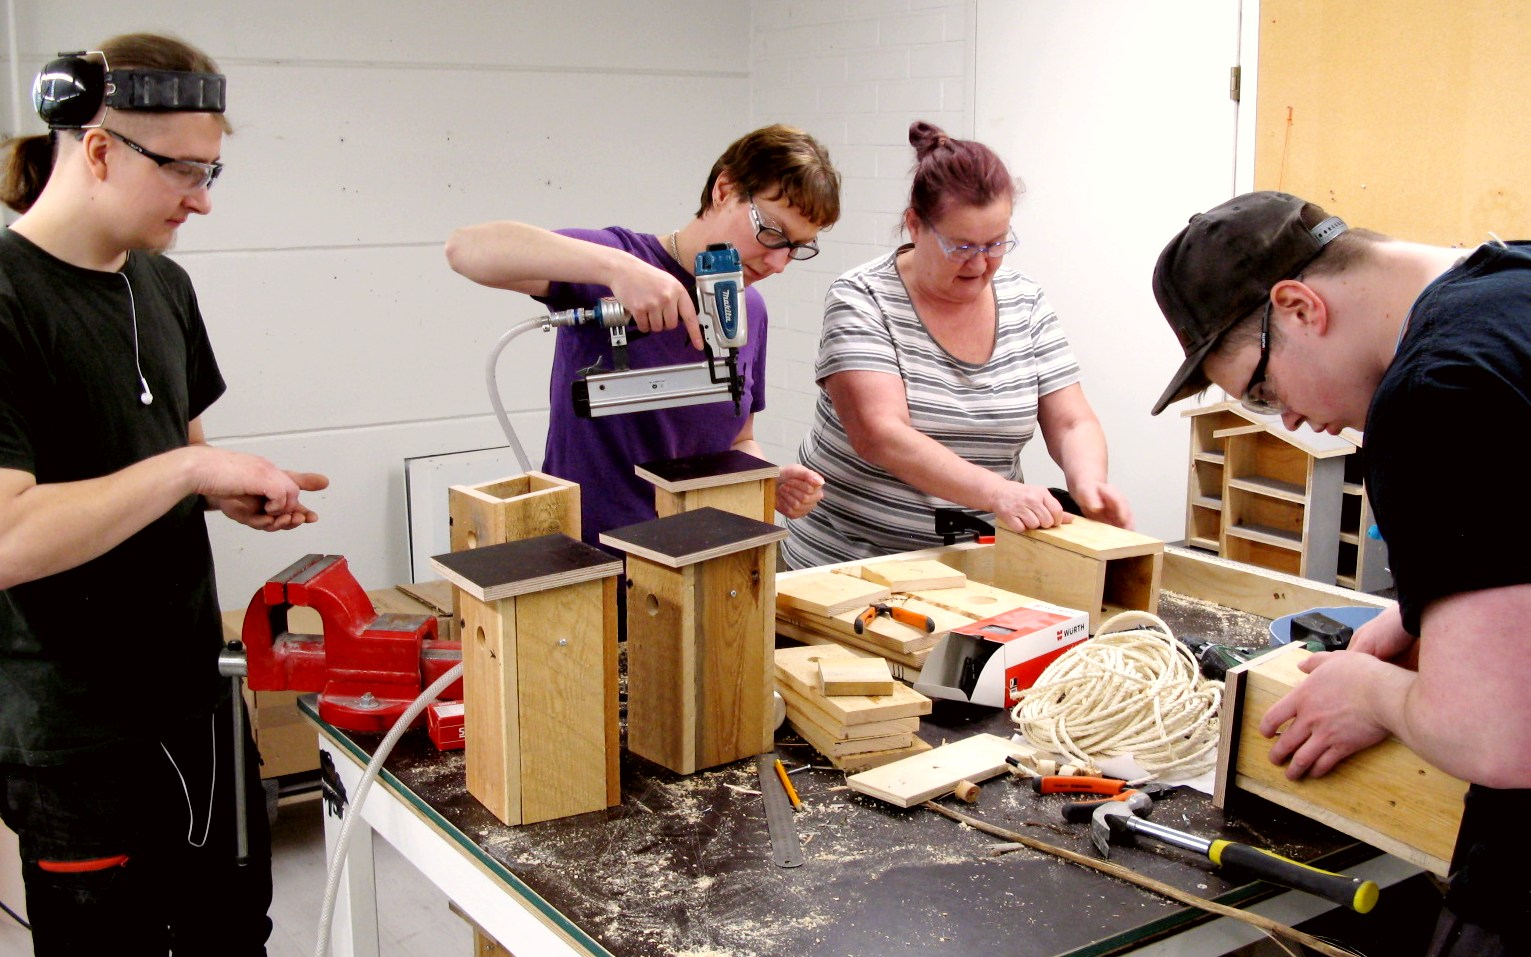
682 866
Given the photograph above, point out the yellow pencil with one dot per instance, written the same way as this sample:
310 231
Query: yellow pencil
786 782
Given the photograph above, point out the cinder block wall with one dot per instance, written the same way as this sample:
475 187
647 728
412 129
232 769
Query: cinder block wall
855 74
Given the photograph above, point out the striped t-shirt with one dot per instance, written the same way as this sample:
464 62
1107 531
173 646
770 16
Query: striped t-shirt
985 413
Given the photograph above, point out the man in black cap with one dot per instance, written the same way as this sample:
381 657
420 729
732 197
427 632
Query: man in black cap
1428 349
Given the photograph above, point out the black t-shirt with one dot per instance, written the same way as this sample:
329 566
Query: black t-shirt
1456 398
107 649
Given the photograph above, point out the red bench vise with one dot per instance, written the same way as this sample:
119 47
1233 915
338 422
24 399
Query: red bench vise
367 667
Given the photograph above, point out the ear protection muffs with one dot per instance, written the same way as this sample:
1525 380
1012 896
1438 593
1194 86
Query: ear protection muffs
71 90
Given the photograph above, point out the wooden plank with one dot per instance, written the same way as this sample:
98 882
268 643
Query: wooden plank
491 709
560 646
436 593
661 664
810 709
1385 795
1259 591
861 760
850 642
976 600
613 699
913 575
733 660
1097 539
515 568
832 747
854 676
755 500
797 667
885 633
828 593
692 536
922 777
706 471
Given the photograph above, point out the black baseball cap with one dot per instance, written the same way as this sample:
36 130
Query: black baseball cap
1222 265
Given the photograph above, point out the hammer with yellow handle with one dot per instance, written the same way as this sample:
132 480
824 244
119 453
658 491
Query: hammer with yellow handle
1115 823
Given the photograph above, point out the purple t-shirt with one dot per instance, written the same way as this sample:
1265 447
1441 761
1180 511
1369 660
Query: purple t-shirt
600 453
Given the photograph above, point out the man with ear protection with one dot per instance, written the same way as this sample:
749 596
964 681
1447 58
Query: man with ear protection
115 741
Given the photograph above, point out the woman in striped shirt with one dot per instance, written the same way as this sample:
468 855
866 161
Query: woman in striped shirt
936 366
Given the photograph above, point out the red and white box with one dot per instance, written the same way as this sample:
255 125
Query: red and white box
984 662
445 724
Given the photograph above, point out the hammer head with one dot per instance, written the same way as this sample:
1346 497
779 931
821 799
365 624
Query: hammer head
1111 822
1108 826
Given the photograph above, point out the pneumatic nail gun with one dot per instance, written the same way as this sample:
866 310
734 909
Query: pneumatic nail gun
720 314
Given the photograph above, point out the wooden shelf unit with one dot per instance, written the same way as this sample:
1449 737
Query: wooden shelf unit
1289 501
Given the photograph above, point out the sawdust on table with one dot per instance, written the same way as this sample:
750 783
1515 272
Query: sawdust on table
675 891
1207 619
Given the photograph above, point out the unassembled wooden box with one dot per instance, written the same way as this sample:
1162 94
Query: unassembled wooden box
1097 568
732 481
700 632
539 645
1386 795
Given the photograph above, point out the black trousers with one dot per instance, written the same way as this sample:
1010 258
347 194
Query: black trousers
132 851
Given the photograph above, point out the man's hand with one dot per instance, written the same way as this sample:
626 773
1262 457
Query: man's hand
798 490
1384 637
252 491
656 300
1330 714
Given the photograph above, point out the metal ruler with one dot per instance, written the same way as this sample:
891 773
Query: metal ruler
786 849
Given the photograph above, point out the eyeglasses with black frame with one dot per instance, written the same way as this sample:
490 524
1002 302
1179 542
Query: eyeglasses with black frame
771 237
190 175
1254 397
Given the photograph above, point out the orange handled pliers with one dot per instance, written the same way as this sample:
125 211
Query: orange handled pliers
914 619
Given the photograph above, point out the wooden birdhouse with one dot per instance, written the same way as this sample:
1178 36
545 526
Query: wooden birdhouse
733 481
1091 566
701 605
1292 501
508 510
539 647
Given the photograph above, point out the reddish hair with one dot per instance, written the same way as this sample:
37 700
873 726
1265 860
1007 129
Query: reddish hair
950 172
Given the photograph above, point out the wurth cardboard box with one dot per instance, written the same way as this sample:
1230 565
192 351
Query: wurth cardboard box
985 661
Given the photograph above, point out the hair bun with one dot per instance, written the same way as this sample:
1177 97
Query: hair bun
926 137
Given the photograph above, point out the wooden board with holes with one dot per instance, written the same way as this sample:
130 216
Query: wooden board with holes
913 575
798 669
975 600
1385 795
828 593
854 676
925 776
853 643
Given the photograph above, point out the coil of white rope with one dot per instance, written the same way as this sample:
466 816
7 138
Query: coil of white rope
1130 690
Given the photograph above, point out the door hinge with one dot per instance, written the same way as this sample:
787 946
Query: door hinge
1233 83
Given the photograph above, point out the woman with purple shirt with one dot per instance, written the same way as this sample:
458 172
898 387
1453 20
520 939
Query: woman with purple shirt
769 195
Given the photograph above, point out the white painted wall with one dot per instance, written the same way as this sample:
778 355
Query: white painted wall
1114 113
1118 117
856 73
364 134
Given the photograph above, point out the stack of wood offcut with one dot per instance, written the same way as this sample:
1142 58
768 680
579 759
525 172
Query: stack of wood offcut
854 731
817 607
